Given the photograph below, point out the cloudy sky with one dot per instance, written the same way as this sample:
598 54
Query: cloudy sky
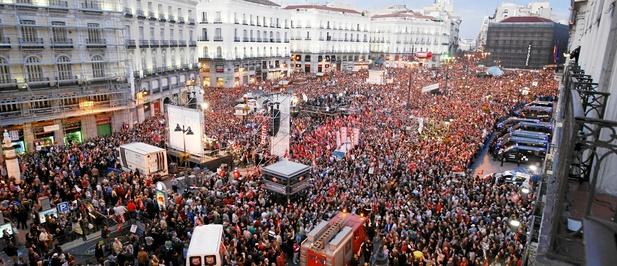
471 11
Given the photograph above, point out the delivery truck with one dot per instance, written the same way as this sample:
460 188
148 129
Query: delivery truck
146 158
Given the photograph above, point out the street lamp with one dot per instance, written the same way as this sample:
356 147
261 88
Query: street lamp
447 60
185 132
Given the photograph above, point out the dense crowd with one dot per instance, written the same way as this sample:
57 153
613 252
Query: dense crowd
423 204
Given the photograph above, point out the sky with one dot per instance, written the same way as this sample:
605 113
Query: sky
470 11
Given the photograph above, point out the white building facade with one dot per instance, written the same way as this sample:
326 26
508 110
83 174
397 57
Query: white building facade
400 32
506 10
62 77
325 37
242 42
161 42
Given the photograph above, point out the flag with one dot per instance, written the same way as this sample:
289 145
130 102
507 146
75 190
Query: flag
555 54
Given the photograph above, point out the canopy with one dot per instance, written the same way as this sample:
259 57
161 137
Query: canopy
494 71
430 88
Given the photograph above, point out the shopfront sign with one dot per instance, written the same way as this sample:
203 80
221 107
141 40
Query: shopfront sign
51 128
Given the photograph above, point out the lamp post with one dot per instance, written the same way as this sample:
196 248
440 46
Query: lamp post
447 60
186 131
409 88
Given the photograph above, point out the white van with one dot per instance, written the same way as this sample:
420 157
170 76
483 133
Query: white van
206 247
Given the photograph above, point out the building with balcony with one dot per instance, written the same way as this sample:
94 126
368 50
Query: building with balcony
323 37
578 219
160 39
526 42
443 11
242 42
62 75
399 33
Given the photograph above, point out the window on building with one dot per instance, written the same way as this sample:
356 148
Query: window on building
190 35
217 34
162 34
258 21
152 35
58 32
141 33
63 63
205 52
218 18
98 66
204 17
235 17
34 71
94 33
5 74
28 31
219 52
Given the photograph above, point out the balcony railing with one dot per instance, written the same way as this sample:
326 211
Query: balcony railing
191 21
203 39
91 5
36 79
164 43
218 38
96 42
5 42
236 39
31 42
130 43
151 15
59 4
182 43
245 39
140 14
61 43
586 145
128 12
162 17
143 43
217 21
173 43
154 43
192 43
180 20
171 19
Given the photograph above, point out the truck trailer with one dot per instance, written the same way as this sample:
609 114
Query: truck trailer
146 158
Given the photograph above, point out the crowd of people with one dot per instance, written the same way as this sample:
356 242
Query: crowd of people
424 206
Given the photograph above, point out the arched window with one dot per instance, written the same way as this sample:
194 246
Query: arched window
34 70
98 67
64 67
5 74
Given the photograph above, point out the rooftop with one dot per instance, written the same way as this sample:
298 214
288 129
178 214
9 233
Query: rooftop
142 147
263 2
525 19
324 7
403 14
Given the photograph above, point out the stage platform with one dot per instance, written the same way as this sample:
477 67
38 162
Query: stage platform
212 162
